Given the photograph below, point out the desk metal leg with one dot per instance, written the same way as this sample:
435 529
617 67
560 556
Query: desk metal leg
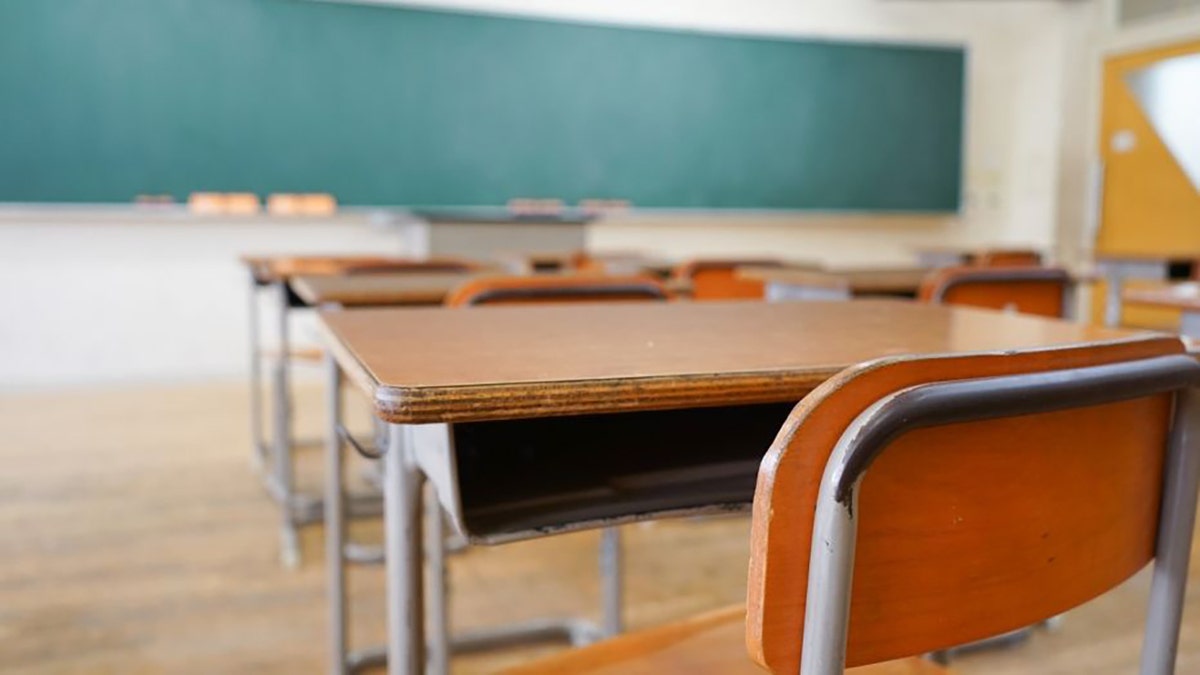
402 497
611 580
256 408
437 621
1181 482
775 291
335 522
1116 272
282 445
1189 324
1112 303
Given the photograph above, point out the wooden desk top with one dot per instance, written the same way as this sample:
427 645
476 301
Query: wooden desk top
861 280
378 289
613 262
440 365
1185 296
269 269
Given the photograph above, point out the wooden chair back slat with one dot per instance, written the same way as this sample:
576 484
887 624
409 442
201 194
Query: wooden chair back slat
1008 257
717 279
1029 290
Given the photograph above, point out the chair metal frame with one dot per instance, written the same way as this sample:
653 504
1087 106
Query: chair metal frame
835 526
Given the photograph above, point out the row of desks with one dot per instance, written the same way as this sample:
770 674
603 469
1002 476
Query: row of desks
421 289
323 281
530 420
319 281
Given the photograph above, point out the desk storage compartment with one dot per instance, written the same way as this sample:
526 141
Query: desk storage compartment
525 477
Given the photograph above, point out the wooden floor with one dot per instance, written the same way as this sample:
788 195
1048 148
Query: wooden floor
135 538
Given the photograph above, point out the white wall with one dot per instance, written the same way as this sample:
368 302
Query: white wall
114 299
86 300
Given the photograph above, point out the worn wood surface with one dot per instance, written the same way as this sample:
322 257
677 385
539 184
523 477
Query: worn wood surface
137 540
393 288
269 269
555 289
504 362
1045 512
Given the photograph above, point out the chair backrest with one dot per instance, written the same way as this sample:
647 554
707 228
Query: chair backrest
1030 290
511 290
582 261
397 266
1007 257
1003 489
717 279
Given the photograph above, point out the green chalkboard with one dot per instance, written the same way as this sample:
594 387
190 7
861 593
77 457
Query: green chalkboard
106 99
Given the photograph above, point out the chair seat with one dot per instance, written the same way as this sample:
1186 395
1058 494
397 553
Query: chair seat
708 643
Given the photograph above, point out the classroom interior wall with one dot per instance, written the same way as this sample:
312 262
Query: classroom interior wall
106 297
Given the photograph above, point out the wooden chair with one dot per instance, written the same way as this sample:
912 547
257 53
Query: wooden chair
584 262
1045 291
718 279
911 504
511 290
1007 257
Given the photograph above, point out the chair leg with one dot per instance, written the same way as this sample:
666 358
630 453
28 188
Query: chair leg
437 621
335 522
611 582
1181 480
282 442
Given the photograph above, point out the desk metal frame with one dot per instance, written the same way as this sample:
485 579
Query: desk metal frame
416 478
272 454
418 454
1115 271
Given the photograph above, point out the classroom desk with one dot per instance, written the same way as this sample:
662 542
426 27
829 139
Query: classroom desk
1182 296
273 454
953 256
533 420
1115 268
616 263
378 290
785 283
276 268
